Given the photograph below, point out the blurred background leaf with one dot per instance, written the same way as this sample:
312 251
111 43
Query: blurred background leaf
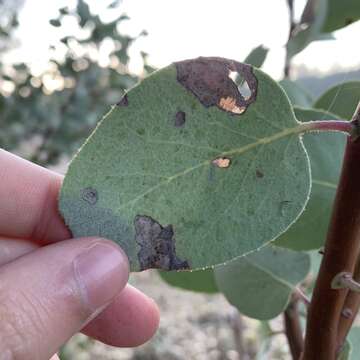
326 152
341 99
48 115
259 285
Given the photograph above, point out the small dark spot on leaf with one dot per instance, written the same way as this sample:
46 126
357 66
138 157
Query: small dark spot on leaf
259 174
179 119
157 245
140 131
222 162
124 101
90 195
349 21
209 79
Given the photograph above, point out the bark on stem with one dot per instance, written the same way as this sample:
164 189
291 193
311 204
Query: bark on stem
349 311
293 329
341 250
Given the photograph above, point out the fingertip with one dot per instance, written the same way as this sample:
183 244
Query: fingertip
101 272
130 320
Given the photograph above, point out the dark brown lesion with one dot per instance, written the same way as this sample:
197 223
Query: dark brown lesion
157 245
180 118
90 195
208 78
124 101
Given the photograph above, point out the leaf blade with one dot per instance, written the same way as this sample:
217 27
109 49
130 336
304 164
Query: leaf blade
270 273
139 163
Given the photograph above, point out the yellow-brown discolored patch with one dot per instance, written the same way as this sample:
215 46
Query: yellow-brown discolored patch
222 162
229 104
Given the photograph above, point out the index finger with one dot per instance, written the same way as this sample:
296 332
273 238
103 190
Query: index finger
28 201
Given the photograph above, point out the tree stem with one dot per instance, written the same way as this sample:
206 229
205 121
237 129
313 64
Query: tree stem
350 309
292 25
341 251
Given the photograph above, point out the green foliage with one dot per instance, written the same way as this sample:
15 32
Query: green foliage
341 99
139 160
298 96
56 120
257 56
346 352
259 285
354 341
309 28
318 20
340 14
326 152
198 281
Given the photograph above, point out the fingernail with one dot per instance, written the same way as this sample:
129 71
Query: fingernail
101 272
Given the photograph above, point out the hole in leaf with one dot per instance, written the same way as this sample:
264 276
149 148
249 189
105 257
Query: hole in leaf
242 84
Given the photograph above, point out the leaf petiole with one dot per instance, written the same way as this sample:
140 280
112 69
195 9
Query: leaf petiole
345 126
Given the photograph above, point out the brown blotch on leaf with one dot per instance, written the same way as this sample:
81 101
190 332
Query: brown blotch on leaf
157 245
124 101
180 118
90 195
222 162
259 174
208 78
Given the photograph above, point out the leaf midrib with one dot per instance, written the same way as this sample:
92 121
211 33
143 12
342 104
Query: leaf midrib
237 151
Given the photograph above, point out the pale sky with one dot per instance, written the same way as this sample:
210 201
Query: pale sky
180 29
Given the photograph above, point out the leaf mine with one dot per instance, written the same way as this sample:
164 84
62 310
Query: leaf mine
210 80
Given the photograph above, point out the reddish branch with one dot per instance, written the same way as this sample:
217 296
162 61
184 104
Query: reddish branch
293 330
349 311
341 252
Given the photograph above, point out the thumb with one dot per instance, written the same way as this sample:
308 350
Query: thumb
51 293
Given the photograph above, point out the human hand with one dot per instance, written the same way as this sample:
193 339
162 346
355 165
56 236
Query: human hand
52 286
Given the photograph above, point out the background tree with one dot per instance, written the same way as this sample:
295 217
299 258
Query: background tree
54 111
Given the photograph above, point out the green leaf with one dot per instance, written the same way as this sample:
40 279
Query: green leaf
354 340
83 11
297 94
55 22
179 179
310 27
64 11
325 151
346 352
199 280
259 285
341 13
341 99
257 56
